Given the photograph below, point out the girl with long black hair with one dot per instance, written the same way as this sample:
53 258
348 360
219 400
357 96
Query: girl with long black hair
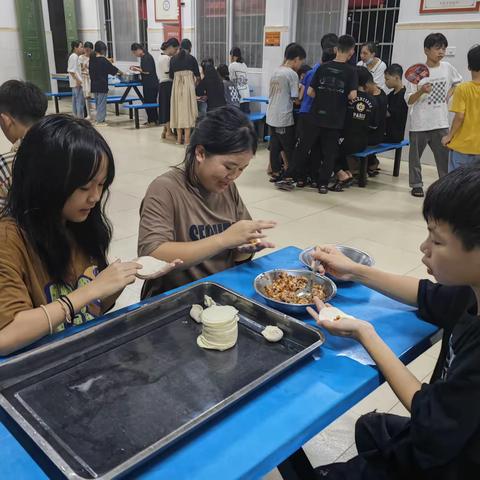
194 211
54 234
185 74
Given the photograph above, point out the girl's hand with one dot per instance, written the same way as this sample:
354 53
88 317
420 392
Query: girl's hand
329 259
114 278
254 247
344 327
244 232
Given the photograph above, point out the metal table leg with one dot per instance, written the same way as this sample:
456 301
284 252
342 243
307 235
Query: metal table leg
130 113
398 159
137 120
57 107
362 181
140 96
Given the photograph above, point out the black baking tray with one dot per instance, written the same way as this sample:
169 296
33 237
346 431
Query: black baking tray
108 398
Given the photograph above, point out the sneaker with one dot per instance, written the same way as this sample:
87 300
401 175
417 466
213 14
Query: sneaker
101 124
417 192
323 189
287 185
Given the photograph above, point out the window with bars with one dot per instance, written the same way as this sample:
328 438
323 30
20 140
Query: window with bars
374 20
247 26
315 18
212 30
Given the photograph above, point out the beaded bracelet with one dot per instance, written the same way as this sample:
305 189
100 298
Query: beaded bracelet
45 311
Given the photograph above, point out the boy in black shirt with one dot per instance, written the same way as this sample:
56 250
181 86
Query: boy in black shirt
397 106
359 122
441 440
333 84
149 80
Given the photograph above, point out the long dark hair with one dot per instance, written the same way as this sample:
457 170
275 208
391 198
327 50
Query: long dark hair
74 44
58 155
185 47
222 131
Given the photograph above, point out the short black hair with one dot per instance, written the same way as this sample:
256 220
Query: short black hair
304 69
329 40
24 101
88 45
295 50
136 46
364 76
435 40
455 200
394 70
345 43
222 70
328 55
372 46
100 47
473 57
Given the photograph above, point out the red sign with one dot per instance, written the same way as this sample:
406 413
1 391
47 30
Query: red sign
172 30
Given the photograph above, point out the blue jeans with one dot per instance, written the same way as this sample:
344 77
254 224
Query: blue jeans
78 102
101 101
457 159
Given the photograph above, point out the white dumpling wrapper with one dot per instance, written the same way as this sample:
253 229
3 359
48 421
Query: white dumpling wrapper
150 266
196 312
219 314
332 313
272 333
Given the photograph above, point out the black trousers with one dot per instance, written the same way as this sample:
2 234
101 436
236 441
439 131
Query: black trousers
281 139
150 95
318 145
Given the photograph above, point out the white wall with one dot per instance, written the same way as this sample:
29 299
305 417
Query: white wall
88 20
12 65
49 43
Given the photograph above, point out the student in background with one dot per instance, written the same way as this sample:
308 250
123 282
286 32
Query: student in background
169 49
283 91
54 235
100 68
377 135
302 73
148 72
332 86
84 60
429 111
397 112
211 86
359 123
75 79
369 59
238 73
185 74
22 104
304 145
463 140
232 95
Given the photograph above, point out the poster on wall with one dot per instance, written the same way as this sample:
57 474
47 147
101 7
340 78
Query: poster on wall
448 6
272 39
167 10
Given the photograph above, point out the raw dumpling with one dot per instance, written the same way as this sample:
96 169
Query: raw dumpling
272 333
150 267
332 313
196 313
208 301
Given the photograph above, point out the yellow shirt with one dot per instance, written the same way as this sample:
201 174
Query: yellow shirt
466 100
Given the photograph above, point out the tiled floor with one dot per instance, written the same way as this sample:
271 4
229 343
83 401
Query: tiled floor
382 219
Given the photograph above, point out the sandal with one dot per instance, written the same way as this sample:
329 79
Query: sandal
337 186
275 177
301 184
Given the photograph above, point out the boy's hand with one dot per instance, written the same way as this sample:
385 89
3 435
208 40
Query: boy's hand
426 88
446 139
331 260
344 327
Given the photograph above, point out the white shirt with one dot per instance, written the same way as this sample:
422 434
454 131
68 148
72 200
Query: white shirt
164 68
430 112
378 72
238 73
75 68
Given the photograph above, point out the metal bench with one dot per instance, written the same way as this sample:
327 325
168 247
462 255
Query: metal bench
136 108
258 120
381 148
56 96
117 100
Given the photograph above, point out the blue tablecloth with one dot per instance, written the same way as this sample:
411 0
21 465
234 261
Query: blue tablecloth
255 435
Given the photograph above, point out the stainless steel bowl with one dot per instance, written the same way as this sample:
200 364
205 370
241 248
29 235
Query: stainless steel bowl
353 253
266 278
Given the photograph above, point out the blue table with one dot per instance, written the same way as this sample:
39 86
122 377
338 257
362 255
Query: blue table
257 99
260 432
128 86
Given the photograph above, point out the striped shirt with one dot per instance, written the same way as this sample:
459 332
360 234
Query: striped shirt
6 164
